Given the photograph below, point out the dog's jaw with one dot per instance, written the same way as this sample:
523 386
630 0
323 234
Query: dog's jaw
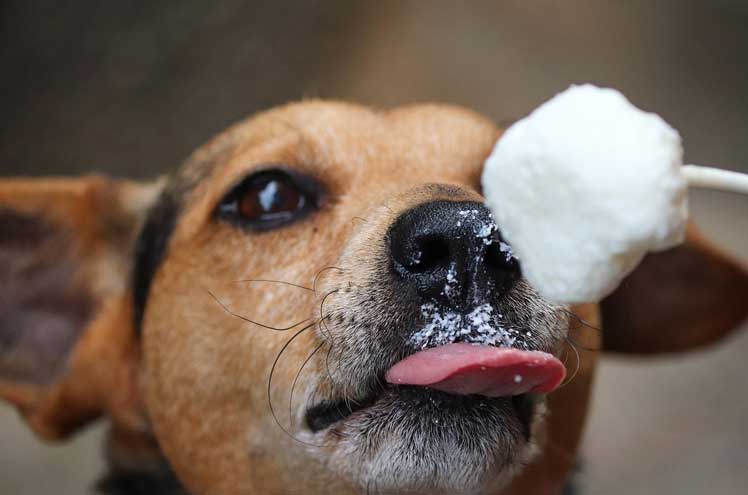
415 441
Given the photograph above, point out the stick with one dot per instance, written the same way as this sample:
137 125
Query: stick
714 178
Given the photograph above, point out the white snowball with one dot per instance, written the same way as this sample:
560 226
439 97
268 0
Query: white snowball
582 188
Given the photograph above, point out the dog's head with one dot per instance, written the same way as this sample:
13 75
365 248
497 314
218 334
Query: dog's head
245 312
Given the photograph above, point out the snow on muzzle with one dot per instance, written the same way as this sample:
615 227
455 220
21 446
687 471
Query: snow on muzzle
467 369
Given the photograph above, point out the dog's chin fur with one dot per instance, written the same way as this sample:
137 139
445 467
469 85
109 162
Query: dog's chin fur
426 442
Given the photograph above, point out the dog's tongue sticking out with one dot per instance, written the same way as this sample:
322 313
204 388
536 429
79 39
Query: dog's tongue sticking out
483 370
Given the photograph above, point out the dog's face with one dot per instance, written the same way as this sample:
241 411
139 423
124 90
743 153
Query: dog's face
279 275
379 215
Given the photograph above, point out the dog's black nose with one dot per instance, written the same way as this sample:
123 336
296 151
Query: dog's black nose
452 252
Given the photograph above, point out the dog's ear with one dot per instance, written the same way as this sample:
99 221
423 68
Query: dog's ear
676 300
67 349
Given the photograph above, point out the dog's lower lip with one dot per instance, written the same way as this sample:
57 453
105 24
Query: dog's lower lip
329 412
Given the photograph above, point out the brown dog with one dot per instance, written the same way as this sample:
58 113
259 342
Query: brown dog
235 322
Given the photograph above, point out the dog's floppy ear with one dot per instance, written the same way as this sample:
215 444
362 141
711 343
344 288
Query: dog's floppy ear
67 349
676 300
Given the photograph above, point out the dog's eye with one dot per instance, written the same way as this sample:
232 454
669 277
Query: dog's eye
268 199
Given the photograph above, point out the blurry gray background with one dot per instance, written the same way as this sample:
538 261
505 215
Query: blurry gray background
130 88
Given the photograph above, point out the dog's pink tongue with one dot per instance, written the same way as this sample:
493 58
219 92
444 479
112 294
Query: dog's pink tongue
472 369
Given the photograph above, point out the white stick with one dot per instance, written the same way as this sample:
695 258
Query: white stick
714 178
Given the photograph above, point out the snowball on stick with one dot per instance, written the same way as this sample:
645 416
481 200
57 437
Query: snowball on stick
586 185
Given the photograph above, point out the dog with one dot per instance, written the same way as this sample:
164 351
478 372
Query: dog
235 322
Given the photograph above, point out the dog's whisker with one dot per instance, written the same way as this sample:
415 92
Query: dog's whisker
581 321
378 379
322 319
347 397
339 433
327 268
360 218
566 356
270 384
574 324
244 318
576 370
580 346
251 280
296 378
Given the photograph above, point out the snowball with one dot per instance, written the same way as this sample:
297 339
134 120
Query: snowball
583 188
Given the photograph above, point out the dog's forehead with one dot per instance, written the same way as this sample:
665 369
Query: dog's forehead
350 148
443 138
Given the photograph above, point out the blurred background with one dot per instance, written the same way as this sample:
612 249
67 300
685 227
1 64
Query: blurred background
130 88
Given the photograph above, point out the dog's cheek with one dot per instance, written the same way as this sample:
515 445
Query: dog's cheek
366 329
182 392
544 325
206 370
350 299
198 385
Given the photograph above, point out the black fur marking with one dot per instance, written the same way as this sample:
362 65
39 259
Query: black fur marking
150 250
161 482
156 233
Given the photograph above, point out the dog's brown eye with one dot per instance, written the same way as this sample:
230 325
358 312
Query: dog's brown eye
269 199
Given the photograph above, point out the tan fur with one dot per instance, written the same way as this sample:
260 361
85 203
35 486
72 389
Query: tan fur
197 378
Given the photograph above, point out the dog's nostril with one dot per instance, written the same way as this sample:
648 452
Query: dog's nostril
430 253
501 264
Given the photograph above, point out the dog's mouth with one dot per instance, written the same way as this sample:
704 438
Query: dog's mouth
461 374
329 412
